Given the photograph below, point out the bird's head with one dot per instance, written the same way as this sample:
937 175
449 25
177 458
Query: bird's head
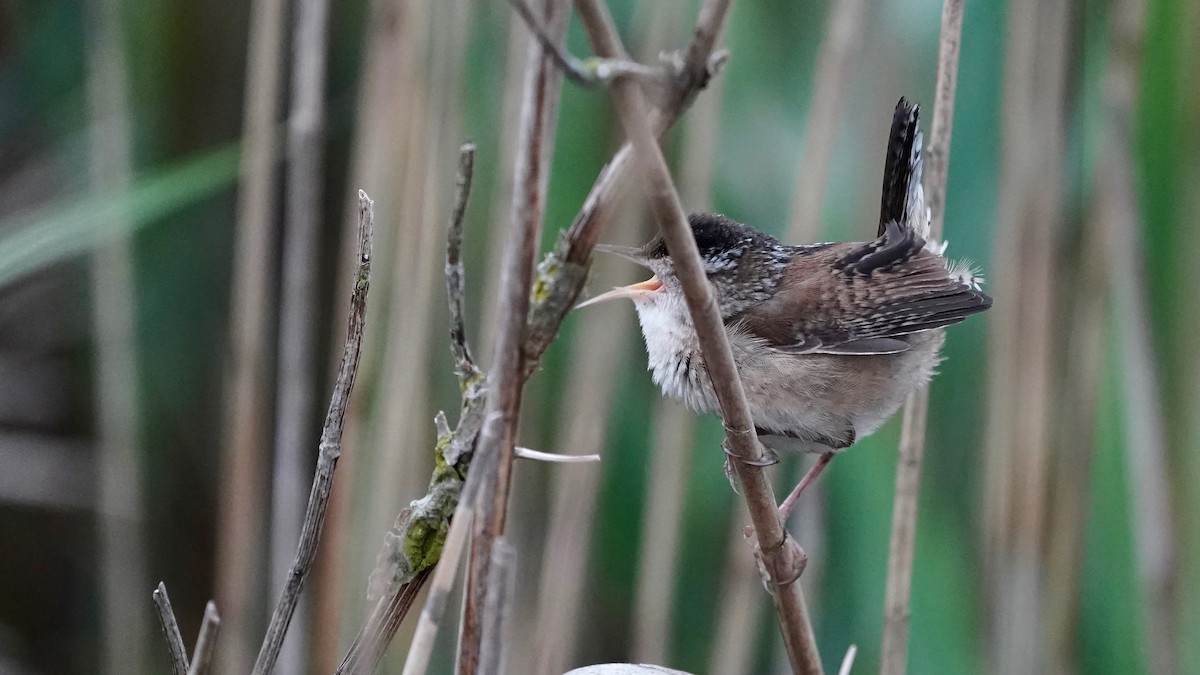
741 264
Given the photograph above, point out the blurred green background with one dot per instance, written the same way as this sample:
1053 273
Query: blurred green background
1060 510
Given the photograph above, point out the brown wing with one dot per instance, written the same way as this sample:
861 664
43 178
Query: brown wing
860 298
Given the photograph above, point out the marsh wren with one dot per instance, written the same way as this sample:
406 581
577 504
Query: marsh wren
828 338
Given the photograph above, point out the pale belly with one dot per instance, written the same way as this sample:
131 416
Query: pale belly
803 400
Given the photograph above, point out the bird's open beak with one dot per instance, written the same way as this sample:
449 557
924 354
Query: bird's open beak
631 291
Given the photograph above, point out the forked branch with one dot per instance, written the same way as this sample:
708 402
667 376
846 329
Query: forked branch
560 280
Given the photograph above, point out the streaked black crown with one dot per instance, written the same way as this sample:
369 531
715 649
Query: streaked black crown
715 234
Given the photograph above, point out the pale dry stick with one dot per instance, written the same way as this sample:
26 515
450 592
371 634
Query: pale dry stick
114 307
592 73
296 373
781 557
417 661
206 642
367 650
843 33
902 544
494 454
1146 445
329 449
170 628
559 618
554 458
244 435
562 280
573 254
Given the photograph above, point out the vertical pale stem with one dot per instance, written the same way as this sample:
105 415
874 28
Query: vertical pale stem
296 372
781 557
494 453
114 305
898 595
1022 373
1145 436
843 34
245 434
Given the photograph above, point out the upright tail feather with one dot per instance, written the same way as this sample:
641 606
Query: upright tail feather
903 200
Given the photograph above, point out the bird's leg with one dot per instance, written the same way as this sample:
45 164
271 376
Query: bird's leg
789 504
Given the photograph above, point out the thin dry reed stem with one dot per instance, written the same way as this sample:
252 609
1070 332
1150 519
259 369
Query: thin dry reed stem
563 286
421 648
497 438
497 609
394 469
121 565
296 373
245 435
510 110
390 609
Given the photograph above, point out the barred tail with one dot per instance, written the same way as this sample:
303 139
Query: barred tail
903 200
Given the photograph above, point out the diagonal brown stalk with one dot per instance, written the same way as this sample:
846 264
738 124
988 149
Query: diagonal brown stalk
781 557
121 563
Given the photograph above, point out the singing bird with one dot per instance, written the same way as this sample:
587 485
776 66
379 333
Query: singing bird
830 338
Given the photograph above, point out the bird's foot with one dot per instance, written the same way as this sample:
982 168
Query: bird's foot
769 458
784 563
